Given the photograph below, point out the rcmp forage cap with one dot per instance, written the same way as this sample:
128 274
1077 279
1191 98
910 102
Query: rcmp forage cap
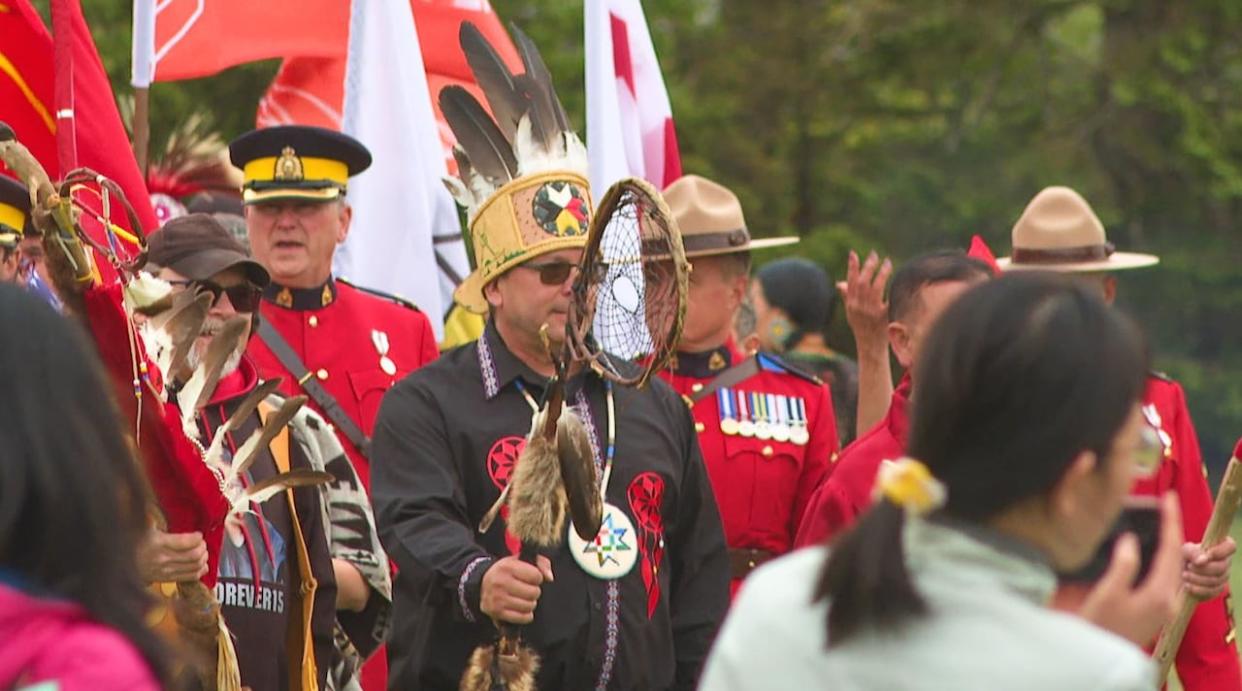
14 212
198 247
296 162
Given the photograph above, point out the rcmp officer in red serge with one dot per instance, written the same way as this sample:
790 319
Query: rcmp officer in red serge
341 345
767 431
1059 232
352 343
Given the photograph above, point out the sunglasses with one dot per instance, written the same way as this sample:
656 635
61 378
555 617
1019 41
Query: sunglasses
556 273
245 297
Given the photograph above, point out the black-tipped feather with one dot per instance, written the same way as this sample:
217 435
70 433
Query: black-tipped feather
485 145
538 71
494 78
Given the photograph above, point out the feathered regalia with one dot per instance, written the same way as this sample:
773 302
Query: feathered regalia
522 180
192 488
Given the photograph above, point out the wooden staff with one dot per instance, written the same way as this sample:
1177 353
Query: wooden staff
1228 499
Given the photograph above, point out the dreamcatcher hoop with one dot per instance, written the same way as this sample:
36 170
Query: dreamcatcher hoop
630 295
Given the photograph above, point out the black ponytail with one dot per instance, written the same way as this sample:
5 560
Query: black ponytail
867 578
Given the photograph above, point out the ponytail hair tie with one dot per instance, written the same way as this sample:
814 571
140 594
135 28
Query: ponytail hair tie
908 483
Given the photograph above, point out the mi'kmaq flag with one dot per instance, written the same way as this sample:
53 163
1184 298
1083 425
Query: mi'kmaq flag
630 129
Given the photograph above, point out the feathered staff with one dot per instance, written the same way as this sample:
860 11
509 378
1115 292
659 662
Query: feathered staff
189 494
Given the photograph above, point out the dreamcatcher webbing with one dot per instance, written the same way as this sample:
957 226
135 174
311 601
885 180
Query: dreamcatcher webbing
629 299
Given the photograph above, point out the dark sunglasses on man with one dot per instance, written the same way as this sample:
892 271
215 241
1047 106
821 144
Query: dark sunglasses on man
555 273
244 297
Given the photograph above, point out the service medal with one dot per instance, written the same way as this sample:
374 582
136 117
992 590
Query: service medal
763 429
728 424
745 426
799 435
779 414
613 552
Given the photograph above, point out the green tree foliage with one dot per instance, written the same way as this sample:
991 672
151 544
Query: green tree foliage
909 126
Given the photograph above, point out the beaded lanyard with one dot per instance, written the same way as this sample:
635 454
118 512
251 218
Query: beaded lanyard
611 449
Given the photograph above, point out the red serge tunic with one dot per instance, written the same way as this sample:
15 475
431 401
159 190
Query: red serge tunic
1208 658
762 486
847 493
339 332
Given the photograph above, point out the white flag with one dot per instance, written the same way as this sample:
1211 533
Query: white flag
629 120
405 237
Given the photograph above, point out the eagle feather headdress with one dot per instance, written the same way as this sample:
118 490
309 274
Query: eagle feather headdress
527 131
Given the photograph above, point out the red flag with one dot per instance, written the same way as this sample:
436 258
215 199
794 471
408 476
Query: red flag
197 38
311 90
26 80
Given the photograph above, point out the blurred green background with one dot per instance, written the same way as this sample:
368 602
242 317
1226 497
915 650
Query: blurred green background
903 127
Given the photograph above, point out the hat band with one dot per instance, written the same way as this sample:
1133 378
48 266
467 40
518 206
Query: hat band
1063 255
303 169
708 242
12 217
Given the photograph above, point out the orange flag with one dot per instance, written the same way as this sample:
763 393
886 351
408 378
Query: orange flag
311 90
184 39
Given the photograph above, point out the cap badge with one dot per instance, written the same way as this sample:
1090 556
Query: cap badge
561 209
288 166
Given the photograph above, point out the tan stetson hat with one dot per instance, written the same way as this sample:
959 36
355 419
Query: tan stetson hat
1058 231
710 219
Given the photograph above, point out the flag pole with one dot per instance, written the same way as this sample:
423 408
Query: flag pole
143 72
142 126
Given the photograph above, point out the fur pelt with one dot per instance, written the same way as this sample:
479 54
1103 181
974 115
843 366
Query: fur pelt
537 502
517 671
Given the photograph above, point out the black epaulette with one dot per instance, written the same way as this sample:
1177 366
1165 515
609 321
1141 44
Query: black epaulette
381 294
769 362
1160 375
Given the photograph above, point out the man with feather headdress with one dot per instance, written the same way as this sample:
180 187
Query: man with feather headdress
277 548
634 609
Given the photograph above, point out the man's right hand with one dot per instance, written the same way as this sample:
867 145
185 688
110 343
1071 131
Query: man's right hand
511 589
172 557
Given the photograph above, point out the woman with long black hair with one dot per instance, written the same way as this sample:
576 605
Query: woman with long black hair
71 512
1027 433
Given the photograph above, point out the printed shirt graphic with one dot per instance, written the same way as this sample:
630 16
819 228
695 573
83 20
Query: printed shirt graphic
254 576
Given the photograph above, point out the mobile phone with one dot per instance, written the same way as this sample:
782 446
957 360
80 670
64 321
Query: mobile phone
1140 516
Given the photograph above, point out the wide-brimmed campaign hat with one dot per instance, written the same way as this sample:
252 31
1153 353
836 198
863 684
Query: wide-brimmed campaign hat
296 162
198 247
14 212
710 218
1058 231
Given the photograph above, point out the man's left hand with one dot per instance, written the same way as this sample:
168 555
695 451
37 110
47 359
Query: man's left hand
1207 570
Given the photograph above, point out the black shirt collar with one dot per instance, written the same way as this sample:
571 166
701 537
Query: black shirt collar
501 367
301 299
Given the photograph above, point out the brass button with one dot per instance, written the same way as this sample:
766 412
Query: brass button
767 451
313 321
696 387
699 427
322 374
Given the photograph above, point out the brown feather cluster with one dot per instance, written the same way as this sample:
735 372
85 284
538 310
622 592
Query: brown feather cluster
517 671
